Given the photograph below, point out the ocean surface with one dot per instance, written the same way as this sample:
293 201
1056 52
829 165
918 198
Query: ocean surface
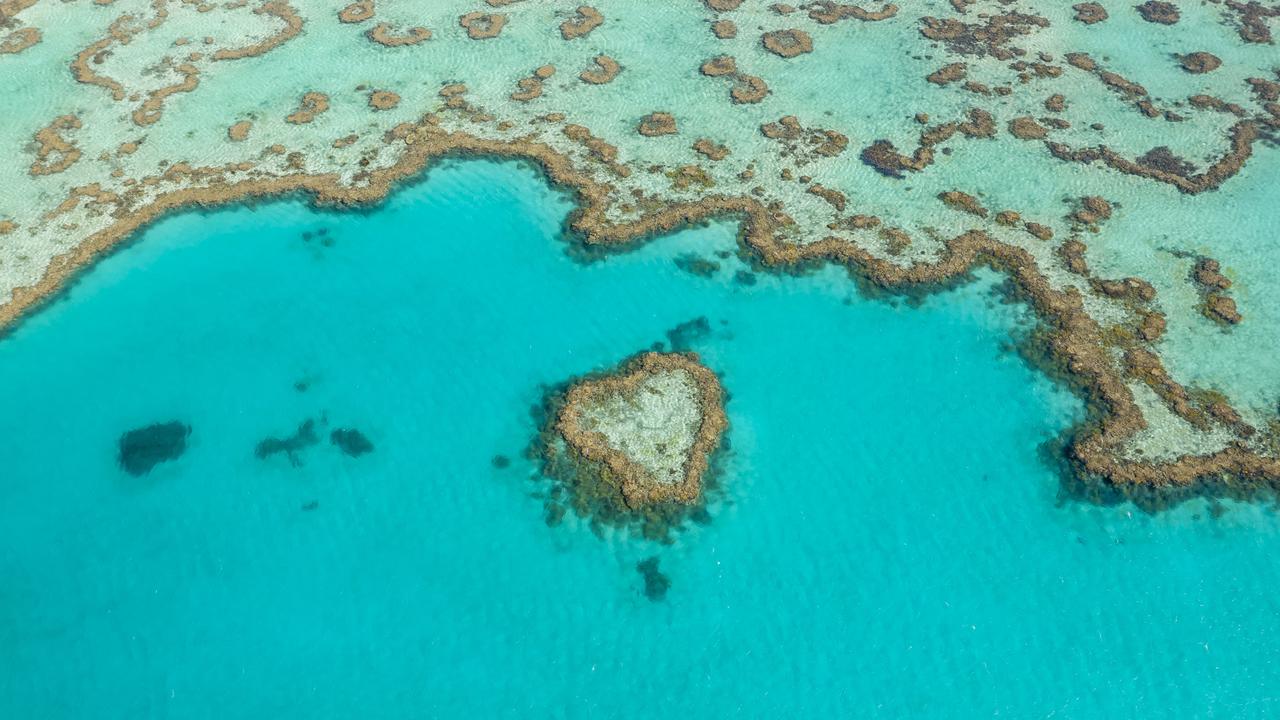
891 541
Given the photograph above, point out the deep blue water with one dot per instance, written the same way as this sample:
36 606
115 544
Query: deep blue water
891 543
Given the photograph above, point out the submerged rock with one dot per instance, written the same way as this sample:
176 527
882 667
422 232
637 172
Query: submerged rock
351 441
144 448
684 335
656 584
304 437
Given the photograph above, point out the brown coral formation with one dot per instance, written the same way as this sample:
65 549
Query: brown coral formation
1221 309
748 89
1212 284
152 108
313 104
483 26
637 484
604 69
724 29
384 34
1026 128
19 40
787 43
963 202
383 99
1163 13
719 66
657 123
530 88
947 74
292 28
990 37
828 12
1089 12
1242 135
723 5
1038 231
712 150
1252 17
598 148
54 153
585 20
356 12
833 197
883 155
1092 210
240 131
804 144
1118 83
1199 62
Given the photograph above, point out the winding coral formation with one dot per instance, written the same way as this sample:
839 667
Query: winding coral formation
54 153
19 40
384 34
357 12
585 20
313 104
602 71
292 28
483 26
787 43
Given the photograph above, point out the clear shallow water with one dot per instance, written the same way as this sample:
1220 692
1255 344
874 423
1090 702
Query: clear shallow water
891 543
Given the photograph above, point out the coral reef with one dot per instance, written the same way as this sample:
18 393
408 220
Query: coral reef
483 26
787 43
54 153
1163 13
651 427
1199 62
585 20
313 104
657 123
1090 12
384 34
603 70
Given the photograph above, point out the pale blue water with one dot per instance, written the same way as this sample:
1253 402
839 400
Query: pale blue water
891 545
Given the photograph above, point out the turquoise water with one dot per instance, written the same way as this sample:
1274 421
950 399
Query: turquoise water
891 542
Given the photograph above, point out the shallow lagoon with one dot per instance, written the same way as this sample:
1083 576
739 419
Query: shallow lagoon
891 542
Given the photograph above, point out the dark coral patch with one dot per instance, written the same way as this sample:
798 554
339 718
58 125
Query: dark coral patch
656 584
304 437
144 448
683 336
351 441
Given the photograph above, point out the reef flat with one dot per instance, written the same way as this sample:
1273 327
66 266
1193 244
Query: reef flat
1115 161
